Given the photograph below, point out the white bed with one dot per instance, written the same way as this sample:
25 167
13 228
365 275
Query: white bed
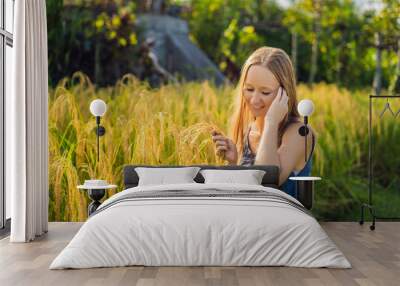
185 230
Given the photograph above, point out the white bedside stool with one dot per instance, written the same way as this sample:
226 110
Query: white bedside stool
96 193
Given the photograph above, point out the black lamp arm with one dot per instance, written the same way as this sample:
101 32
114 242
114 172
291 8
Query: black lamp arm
100 131
303 131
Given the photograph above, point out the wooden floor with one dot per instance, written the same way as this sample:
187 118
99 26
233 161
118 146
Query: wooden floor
374 255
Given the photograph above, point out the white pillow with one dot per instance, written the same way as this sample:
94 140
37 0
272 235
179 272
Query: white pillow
250 177
162 176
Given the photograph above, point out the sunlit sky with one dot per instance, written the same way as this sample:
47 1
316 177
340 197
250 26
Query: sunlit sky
362 4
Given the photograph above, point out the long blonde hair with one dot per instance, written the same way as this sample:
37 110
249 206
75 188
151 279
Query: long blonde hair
279 63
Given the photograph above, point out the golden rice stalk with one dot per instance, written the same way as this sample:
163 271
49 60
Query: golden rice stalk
199 135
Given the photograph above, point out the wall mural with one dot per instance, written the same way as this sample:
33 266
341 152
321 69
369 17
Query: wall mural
169 70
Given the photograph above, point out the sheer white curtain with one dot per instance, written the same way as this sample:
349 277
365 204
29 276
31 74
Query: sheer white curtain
26 124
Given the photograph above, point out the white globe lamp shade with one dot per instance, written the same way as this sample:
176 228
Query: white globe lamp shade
305 107
98 107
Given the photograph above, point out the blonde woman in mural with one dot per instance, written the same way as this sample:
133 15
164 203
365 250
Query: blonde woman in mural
265 126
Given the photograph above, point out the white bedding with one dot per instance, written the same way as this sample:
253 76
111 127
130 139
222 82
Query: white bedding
182 231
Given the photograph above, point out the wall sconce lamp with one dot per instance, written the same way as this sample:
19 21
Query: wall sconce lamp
305 108
98 108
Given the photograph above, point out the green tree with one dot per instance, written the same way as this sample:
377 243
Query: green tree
229 30
96 37
383 30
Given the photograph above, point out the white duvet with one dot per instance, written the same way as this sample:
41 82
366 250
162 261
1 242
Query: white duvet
200 231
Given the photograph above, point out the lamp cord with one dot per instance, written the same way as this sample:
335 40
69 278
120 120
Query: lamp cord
97 136
305 137
98 145
305 144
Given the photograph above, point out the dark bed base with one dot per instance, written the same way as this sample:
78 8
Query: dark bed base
270 179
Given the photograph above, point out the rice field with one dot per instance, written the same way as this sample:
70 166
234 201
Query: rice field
171 126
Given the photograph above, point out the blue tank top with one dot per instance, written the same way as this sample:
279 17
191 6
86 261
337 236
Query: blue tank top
288 186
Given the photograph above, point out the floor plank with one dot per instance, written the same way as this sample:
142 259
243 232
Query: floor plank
374 255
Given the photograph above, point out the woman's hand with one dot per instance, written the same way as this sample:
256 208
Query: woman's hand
278 109
225 147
